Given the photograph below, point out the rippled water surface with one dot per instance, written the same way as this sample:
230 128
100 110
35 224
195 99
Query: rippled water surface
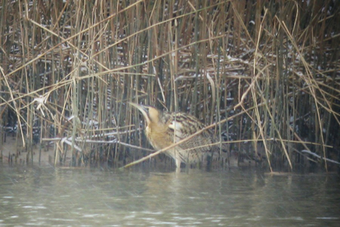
48 196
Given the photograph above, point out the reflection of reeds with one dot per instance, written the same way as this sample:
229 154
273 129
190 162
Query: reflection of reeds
271 69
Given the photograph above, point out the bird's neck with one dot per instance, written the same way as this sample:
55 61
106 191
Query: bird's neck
153 127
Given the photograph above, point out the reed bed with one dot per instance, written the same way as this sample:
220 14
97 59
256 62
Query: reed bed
264 74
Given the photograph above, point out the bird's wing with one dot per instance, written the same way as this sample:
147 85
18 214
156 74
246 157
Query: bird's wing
184 126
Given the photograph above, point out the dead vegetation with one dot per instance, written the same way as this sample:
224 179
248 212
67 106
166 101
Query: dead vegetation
263 72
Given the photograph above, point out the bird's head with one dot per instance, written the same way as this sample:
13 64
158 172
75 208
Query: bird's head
151 114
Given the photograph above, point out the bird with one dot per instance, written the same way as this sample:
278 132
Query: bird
164 128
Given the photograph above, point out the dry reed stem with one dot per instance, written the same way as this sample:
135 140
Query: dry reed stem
270 60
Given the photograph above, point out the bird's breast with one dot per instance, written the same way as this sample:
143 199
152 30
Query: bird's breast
158 137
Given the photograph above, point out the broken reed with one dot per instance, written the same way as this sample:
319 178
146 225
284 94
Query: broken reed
69 68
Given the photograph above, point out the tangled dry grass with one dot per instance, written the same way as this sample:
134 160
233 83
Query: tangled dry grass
263 72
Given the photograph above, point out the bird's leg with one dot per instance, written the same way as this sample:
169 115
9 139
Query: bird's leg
178 163
178 169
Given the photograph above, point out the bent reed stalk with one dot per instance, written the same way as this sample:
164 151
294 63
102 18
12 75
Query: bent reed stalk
265 75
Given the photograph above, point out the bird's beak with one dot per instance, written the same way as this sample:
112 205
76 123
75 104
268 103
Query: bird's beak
142 109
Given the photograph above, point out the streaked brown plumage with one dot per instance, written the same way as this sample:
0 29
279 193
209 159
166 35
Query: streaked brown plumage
164 128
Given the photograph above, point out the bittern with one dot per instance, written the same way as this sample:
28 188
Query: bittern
164 129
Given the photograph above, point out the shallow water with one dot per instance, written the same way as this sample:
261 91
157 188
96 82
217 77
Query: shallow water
103 197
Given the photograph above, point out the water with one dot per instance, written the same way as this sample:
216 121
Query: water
47 196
